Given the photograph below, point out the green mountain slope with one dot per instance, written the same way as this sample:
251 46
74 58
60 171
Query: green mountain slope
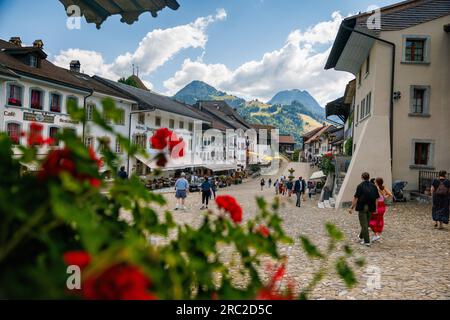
292 112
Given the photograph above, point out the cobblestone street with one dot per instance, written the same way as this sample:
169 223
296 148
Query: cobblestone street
412 258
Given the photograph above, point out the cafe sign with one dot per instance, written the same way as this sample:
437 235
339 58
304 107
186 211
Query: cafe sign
69 121
38 117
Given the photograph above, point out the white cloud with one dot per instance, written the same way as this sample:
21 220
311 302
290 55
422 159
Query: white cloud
153 51
296 65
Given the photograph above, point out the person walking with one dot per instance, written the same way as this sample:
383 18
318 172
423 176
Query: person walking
263 183
215 185
270 183
289 187
181 189
364 202
376 222
122 174
277 187
298 186
310 189
206 188
440 190
303 188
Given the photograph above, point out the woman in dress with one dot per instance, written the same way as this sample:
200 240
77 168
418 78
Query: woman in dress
440 189
376 222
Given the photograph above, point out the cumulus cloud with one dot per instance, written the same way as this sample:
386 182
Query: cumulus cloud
153 51
296 65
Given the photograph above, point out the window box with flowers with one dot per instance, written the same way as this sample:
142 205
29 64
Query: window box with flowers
15 95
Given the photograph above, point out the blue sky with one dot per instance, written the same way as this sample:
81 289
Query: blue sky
248 47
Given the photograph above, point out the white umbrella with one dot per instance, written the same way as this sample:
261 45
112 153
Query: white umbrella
317 175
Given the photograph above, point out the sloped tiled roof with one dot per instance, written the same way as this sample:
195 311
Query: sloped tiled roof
394 17
47 70
222 111
408 13
153 99
286 139
317 135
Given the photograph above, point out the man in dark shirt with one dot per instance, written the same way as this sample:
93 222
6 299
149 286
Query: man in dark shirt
122 173
298 187
364 202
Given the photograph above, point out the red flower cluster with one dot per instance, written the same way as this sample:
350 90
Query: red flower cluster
230 205
119 282
329 155
35 135
160 138
263 230
77 258
270 292
164 138
62 160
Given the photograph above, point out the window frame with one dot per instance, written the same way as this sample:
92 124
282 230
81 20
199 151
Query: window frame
19 131
171 123
157 121
90 111
181 125
118 148
426 48
72 97
141 118
89 138
50 100
426 101
8 92
42 98
121 121
31 58
431 154
56 140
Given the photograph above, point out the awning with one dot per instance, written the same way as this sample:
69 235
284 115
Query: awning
149 162
317 175
220 167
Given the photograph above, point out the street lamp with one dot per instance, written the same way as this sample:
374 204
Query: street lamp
129 131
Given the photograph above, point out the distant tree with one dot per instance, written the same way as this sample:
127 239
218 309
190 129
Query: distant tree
129 81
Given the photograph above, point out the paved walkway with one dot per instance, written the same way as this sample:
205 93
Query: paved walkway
412 258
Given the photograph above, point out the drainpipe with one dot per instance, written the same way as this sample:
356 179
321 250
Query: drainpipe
84 118
129 132
391 107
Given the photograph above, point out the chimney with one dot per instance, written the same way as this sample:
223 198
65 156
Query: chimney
38 44
75 66
16 41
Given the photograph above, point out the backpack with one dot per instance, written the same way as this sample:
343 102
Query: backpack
441 190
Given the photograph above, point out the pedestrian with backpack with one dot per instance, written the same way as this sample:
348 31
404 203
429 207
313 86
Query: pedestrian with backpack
440 190
364 202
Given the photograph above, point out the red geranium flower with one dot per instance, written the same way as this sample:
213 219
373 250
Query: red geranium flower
79 258
176 146
263 230
270 293
230 205
62 160
119 282
160 138
35 135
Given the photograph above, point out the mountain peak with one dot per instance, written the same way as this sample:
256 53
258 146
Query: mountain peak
287 97
199 90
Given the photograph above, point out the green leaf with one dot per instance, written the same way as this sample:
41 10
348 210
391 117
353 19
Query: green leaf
345 272
311 250
334 232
